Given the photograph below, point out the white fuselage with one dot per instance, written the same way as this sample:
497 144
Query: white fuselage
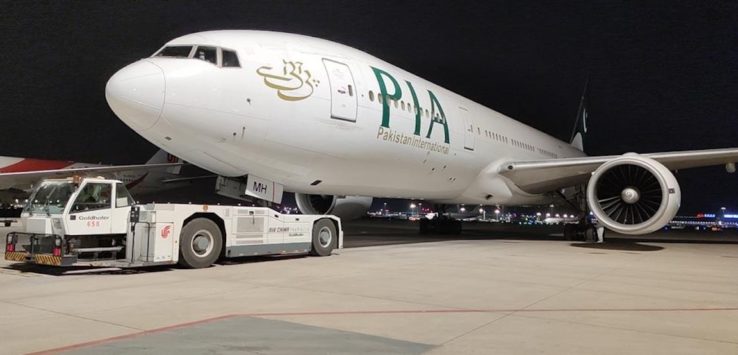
298 110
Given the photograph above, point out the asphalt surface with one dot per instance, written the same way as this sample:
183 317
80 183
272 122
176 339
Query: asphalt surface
494 289
372 232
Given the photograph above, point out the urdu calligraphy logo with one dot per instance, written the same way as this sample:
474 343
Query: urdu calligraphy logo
293 83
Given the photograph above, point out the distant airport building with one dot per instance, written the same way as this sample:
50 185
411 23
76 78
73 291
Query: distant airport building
705 221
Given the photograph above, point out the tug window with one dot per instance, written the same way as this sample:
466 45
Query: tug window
122 196
230 59
94 196
208 54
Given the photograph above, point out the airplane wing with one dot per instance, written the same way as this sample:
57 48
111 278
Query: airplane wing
186 179
64 172
539 176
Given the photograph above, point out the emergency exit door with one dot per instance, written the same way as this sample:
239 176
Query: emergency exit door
343 91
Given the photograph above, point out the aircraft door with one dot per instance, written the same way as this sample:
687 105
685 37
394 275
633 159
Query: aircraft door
344 100
468 134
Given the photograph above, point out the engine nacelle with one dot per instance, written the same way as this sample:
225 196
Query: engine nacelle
633 194
349 207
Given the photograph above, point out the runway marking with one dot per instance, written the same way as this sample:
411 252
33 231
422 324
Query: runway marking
374 312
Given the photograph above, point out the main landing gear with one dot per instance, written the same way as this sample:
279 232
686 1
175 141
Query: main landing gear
441 224
584 231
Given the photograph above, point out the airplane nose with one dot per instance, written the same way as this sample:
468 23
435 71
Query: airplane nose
136 94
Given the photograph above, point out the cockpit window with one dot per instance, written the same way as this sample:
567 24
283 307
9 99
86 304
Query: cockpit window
208 54
230 59
175 51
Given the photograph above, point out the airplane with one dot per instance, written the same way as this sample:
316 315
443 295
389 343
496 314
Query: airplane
18 175
271 112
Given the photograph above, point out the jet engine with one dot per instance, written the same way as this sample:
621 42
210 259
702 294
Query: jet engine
348 207
633 194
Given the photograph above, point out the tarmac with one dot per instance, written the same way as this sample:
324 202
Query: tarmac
495 289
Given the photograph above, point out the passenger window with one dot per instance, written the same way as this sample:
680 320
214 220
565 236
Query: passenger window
230 59
175 52
371 96
208 54
94 196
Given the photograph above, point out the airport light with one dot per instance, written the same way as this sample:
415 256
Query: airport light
462 209
384 211
484 213
497 214
548 215
412 209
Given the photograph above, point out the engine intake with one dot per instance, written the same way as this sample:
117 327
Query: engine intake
349 207
633 194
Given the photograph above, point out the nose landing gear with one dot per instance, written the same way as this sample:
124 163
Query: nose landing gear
441 224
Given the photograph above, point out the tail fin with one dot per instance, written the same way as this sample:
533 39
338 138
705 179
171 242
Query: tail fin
163 157
580 126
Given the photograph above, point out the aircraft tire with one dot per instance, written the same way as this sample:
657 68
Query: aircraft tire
590 233
570 231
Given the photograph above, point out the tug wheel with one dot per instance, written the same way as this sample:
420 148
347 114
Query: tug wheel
200 243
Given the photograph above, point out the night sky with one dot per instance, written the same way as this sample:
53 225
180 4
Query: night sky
664 74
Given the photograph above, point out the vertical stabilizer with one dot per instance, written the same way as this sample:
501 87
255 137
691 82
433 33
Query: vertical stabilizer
580 126
163 157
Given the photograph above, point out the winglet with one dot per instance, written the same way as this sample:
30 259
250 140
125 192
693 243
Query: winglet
580 126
